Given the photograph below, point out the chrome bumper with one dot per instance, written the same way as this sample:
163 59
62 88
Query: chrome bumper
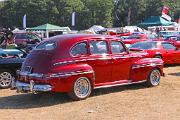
25 87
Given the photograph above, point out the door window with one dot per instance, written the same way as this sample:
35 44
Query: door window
117 47
98 47
79 49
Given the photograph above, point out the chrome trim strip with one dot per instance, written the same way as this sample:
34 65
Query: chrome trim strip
37 75
82 60
146 65
68 74
106 86
27 87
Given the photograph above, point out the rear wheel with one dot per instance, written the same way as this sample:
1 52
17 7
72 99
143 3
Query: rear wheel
154 77
81 89
6 77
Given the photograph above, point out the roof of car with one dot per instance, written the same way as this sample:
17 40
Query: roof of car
158 41
78 37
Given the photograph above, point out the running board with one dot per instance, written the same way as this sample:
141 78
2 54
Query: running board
129 83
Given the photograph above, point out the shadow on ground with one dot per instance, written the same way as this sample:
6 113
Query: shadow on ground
171 65
175 74
26 101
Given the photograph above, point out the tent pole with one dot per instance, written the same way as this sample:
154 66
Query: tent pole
47 34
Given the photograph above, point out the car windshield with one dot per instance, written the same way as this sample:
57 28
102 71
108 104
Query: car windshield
165 34
133 37
144 45
176 38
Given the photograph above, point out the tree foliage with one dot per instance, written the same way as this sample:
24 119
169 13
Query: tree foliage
107 13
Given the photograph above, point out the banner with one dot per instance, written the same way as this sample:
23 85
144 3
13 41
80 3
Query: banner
73 19
24 22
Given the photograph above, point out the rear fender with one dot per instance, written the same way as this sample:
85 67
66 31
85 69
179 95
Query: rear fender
63 77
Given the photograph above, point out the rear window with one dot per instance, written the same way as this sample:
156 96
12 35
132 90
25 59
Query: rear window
48 45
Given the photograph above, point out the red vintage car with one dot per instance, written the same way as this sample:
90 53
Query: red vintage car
24 38
77 64
159 49
134 38
174 39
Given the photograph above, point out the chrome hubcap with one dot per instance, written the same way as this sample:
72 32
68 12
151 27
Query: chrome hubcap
155 77
5 79
82 87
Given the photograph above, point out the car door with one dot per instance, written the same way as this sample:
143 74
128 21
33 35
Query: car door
171 55
121 62
100 60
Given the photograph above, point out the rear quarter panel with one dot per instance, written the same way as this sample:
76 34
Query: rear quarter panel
68 74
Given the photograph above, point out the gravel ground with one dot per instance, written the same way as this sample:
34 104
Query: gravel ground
132 102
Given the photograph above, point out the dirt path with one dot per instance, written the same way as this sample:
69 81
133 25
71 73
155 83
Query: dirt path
134 102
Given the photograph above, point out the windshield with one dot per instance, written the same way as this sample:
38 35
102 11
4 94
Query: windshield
144 45
133 37
176 38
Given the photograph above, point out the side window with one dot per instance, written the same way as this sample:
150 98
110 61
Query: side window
79 49
98 47
21 36
168 46
117 47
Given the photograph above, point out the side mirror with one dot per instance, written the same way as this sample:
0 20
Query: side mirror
176 48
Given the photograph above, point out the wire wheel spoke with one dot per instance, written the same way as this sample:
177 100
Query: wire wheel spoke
155 77
82 87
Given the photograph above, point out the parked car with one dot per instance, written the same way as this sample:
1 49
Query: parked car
77 64
10 61
134 38
174 39
8 67
24 38
165 34
10 53
159 49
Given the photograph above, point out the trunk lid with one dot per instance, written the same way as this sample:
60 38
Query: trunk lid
38 62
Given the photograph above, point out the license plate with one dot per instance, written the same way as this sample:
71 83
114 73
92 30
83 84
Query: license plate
31 85
28 69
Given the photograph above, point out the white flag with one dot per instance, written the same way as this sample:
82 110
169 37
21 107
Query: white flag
73 19
24 22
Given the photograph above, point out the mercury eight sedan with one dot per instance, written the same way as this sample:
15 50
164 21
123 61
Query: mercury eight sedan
77 64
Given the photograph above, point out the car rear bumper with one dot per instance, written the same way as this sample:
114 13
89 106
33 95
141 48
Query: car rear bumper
32 87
